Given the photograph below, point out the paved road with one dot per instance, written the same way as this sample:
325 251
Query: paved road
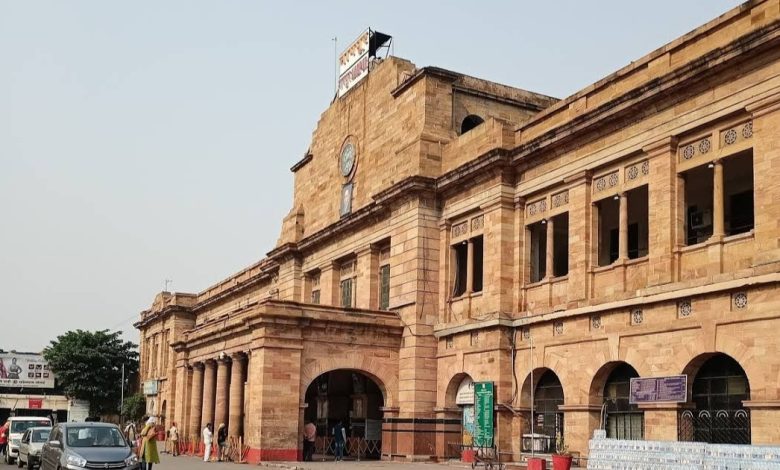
187 463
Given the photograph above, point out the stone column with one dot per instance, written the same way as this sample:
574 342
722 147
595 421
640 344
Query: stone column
196 399
717 200
470 268
223 384
548 260
623 230
209 382
236 418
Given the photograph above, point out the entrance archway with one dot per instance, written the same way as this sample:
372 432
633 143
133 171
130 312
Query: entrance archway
623 419
355 400
548 419
718 389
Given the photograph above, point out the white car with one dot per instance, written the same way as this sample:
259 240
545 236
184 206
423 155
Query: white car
17 426
30 448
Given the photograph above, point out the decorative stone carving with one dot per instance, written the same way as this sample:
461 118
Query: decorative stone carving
560 199
739 300
477 223
558 327
704 145
526 333
458 230
613 179
637 316
747 130
537 207
595 322
684 308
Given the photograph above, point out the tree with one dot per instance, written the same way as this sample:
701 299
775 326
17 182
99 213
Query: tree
134 407
89 366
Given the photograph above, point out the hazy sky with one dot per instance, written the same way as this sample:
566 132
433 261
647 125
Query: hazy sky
150 140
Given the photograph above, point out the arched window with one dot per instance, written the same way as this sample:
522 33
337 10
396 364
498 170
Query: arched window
548 420
470 122
718 416
624 420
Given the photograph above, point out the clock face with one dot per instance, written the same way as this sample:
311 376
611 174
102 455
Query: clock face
347 159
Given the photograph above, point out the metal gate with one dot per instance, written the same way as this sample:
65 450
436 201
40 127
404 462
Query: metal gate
714 427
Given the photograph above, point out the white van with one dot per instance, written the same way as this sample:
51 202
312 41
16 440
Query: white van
17 426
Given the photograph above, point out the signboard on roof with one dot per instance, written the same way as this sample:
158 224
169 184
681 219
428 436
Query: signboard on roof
354 62
25 371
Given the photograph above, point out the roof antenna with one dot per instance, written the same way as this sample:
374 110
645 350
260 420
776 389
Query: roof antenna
167 282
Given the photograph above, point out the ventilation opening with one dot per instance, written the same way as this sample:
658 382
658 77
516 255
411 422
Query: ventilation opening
470 122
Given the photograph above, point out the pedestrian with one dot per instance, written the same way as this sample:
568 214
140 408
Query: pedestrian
173 436
207 434
221 442
148 449
4 438
340 438
131 434
309 438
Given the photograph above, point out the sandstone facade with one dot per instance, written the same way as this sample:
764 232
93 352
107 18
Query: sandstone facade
559 247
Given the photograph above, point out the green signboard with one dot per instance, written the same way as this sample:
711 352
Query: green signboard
483 410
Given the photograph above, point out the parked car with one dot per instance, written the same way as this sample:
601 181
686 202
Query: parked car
31 445
87 445
18 425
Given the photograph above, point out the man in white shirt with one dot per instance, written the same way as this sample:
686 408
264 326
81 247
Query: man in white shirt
207 434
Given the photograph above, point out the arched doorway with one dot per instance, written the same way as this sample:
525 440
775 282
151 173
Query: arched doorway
717 392
623 420
460 395
547 418
354 399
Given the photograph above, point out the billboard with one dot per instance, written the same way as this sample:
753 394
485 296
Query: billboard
355 60
25 370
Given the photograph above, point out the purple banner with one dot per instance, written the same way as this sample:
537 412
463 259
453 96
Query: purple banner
659 389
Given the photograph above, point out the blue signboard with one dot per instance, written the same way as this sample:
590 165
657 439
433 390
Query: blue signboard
672 389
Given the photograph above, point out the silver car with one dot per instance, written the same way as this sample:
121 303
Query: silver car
31 445
87 445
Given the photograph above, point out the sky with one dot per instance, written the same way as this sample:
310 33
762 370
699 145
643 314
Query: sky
151 140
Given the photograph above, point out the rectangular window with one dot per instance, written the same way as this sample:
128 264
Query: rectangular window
460 267
638 204
538 237
698 204
738 193
608 225
477 261
313 279
346 293
561 244
384 287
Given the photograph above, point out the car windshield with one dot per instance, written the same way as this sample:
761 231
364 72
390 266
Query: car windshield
22 426
94 436
40 435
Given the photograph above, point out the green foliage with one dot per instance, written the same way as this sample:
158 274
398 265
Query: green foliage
88 365
560 447
134 407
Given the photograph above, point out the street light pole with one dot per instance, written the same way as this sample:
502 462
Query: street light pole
122 393
533 436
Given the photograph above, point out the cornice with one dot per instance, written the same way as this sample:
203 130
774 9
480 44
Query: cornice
162 314
423 72
303 161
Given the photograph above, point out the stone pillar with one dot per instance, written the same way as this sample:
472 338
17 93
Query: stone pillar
223 384
209 383
236 418
623 230
664 187
661 420
766 184
579 421
196 399
579 247
183 374
717 201
470 268
548 260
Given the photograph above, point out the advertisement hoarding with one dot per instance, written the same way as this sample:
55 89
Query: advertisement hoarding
25 370
353 62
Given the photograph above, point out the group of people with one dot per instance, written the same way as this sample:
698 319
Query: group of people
310 438
222 441
146 441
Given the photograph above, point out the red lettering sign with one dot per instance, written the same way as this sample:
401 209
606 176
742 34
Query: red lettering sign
35 403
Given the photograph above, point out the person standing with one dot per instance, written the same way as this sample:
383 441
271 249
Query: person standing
148 449
340 438
4 438
207 435
131 434
221 442
309 438
173 436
